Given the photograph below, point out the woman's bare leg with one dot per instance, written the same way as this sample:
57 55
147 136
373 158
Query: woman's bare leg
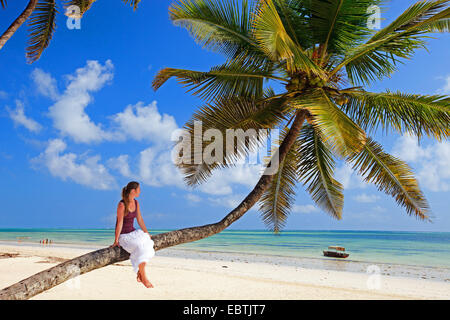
138 278
143 277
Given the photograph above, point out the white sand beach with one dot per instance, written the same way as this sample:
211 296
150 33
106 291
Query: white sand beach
188 278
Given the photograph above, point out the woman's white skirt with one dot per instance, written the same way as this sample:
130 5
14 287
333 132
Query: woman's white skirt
139 245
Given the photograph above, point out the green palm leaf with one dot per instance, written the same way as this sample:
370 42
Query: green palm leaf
277 200
415 14
316 171
234 78
133 3
83 5
221 26
375 60
391 175
41 27
294 16
379 55
337 129
339 25
442 25
223 115
274 40
419 114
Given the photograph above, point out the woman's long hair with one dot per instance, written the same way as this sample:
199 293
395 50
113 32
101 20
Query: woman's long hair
125 194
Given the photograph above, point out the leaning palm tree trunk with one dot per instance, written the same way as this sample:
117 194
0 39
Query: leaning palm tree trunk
49 278
18 22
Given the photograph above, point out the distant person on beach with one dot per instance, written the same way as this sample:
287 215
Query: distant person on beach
138 243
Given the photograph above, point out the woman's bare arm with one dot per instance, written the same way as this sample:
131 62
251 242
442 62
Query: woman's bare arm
139 219
119 223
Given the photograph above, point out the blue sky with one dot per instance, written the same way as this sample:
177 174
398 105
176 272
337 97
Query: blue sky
81 122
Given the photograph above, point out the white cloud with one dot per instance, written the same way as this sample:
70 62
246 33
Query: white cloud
45 84
193 198
229 201
6 156
19 118
349 178
138 122
379 209
3 94
80 169
142 122
157 169
222 180
430 162
446 87
153 165
435 172
366 198
408 149
308 208
68 112
120 164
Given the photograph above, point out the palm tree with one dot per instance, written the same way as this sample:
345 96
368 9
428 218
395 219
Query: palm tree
18 22
323 54
42 23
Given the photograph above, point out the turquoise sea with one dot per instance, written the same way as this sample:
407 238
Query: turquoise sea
409 248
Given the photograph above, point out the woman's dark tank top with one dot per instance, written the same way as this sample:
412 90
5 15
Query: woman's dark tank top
128 221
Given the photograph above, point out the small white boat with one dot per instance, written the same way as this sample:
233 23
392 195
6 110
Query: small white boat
335 252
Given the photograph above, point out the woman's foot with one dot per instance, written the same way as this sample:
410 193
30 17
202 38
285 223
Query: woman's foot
142 277
138 277
148 284
145 282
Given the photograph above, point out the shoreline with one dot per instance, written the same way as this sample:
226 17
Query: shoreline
431 273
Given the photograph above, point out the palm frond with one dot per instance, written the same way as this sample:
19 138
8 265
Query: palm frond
237 77
277 200
339 25
41 27
316 172
442 25
379 56
392 176
274 40
337 129
375 60
83 5
402 112
220 26
3 3
415 14
224 116
295 15
133 3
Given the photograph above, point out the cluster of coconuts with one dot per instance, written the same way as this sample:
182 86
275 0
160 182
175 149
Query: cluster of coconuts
298 83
